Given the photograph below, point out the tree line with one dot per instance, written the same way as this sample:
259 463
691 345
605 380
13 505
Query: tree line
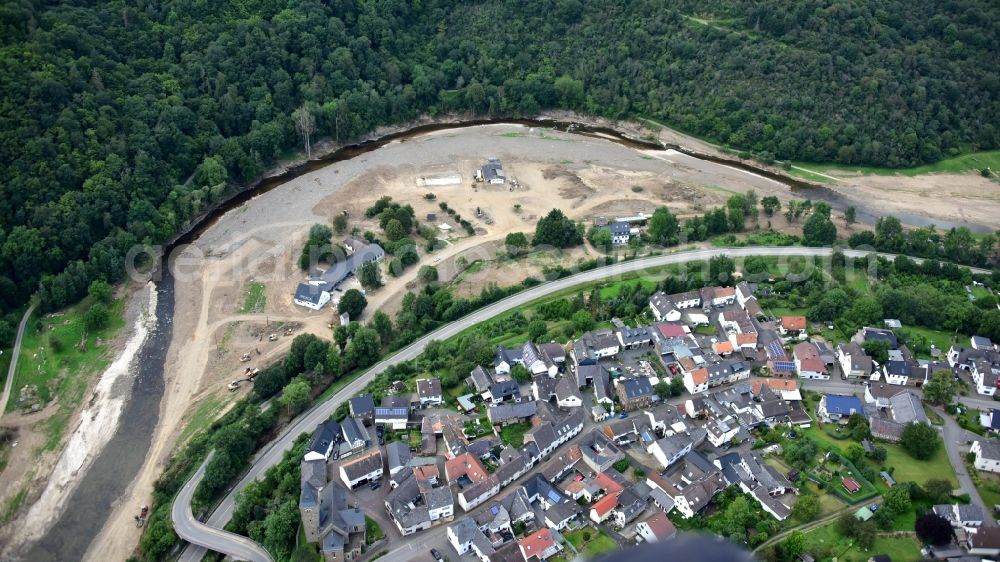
122 122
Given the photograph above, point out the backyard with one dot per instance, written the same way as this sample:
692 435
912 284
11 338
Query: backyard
513 434
903 467
590 542
826 543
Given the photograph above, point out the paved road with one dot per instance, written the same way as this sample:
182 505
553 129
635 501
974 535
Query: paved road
306 422
14 354
954 441
189 529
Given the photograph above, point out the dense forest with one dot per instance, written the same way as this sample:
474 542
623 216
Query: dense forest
122 120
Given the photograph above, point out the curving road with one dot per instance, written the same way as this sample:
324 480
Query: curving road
189 529
15 352
306 422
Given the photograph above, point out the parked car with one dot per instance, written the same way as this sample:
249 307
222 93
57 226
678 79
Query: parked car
436 554
623 415
375 484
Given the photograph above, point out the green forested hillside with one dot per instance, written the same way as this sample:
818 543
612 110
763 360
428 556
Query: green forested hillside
122 119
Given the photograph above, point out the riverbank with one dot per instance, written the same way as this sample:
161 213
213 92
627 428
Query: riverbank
94 427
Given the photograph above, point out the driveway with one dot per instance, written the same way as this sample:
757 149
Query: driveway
955 439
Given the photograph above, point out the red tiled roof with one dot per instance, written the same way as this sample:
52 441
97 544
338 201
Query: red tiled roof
660 525
793 323
605 504
608 484
722 347
466 464
699 376
671 330
537 543
851 485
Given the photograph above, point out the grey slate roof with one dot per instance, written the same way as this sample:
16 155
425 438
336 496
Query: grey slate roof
906 408
397 454
361 405
637 387
480 379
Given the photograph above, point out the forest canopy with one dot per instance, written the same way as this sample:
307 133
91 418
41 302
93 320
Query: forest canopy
122 121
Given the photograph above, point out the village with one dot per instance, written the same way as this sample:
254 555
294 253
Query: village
628 434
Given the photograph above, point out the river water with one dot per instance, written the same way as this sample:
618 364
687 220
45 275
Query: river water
89 506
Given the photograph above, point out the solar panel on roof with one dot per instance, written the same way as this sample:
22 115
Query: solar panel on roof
784 366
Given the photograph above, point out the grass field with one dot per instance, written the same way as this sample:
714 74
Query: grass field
203 415
905 467
514 434
598 544
972 162
826 543
256 299
60 358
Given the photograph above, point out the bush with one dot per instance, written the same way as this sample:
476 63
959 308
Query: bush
96 317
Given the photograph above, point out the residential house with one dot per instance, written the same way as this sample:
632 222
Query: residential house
568 394
594 346
539 546
968 517
504 359
397 456
327 517
511 412
793 327
366 468
539 359
631 503
362 407
867 334
503 391
315 293
598 451
429 392
479 379
632 338
690 484
634 393
721 431
323 441
354 437
723 296
990 420
985 542
601 510
665 418
622 432
466 536
838 407
670 308
696 380
656 528
394 412
778 360
417 503
559 515
985 374
987 453
548 436
620 232
478 492
311 295
808 363
671 448
854 364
